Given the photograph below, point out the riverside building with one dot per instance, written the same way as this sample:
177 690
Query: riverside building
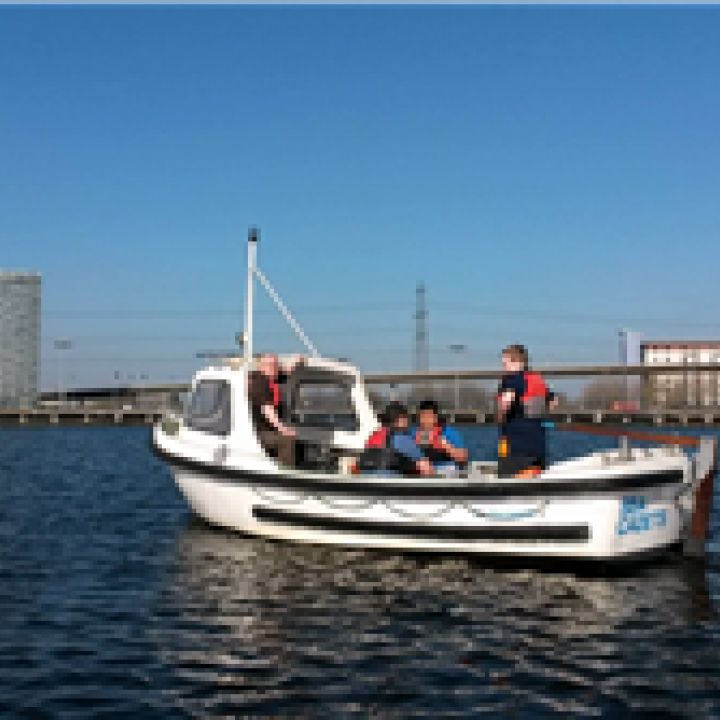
683 389
19 338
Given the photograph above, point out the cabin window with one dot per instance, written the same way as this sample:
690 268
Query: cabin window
208 409
324 404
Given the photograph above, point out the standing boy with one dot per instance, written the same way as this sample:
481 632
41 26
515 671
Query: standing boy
522 400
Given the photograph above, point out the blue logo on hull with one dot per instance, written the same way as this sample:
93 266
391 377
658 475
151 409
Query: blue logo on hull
635 518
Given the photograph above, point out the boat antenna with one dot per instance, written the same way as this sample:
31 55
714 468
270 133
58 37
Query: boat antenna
255 272
251 262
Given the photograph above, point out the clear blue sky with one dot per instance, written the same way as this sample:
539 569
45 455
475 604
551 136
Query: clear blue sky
552 174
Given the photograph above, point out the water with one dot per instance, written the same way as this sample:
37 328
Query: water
115 602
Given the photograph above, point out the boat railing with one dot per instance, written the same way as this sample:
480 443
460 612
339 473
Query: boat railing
627 435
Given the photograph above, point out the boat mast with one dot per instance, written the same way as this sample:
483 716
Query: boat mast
253 271
251 264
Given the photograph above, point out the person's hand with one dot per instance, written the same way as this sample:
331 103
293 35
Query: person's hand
505 399
425 467
287 431
293 361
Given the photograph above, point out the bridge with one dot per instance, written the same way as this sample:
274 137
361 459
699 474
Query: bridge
143 404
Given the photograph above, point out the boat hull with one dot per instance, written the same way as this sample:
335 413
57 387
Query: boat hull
597 524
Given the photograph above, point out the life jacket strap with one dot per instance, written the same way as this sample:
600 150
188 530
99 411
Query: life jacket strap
431 439
275 390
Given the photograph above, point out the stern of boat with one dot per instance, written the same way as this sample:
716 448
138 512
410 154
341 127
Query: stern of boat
698 500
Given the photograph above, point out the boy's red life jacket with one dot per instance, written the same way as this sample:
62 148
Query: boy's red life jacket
535 399
379 455
378 439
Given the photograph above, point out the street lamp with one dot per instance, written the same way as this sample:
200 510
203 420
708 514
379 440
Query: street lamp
458 349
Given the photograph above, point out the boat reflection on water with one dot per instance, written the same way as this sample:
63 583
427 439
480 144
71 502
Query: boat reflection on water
277 628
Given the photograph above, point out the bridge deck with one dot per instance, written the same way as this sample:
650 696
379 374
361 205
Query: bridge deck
147 416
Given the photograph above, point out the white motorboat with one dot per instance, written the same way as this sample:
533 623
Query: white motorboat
608 505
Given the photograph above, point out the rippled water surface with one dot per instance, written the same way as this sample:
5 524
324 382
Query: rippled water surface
115 602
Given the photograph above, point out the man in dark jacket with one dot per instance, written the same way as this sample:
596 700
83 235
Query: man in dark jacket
264 394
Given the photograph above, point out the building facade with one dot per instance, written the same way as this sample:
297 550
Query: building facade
682 389
19 338
630 354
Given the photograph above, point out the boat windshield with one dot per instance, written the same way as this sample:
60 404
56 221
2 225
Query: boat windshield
323 402
208 408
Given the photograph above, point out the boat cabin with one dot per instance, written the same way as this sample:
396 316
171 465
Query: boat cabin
324 400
